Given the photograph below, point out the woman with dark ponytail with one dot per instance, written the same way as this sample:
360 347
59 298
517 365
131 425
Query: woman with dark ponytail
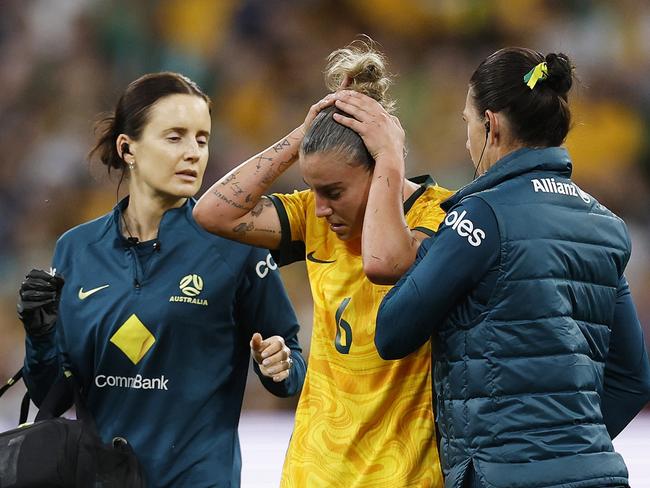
539 355
158 319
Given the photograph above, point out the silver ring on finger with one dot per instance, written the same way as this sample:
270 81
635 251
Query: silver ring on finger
289 361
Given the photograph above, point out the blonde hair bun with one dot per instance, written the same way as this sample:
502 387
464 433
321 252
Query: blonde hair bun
360 67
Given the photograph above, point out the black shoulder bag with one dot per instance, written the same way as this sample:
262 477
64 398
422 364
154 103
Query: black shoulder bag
57 452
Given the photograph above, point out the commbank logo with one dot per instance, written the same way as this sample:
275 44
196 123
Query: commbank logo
133 339
136 382
191 286
465 227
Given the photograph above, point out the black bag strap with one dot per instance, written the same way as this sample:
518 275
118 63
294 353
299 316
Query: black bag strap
24 405
58 398
24 409
11 381
56 401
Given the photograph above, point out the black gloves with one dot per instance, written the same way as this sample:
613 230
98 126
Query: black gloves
38 302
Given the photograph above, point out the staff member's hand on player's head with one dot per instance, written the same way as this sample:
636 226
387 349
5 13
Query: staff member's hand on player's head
272 356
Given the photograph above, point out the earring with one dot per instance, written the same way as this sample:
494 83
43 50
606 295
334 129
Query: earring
131 166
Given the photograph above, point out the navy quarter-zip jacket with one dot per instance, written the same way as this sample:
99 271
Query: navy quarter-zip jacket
158 333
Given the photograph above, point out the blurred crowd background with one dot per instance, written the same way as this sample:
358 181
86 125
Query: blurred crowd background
64 61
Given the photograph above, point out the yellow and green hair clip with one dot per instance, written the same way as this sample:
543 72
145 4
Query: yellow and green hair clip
539 72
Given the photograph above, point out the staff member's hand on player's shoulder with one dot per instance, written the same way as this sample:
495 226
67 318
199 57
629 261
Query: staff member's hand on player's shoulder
272 356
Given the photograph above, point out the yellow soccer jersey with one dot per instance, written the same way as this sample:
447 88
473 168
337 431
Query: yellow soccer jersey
361 421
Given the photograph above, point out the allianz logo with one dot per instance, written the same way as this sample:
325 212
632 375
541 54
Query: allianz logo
191 286
549 185
136 382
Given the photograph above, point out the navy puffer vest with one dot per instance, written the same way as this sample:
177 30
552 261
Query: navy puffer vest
518 385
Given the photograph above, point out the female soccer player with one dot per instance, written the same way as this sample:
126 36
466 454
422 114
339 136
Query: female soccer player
539 355
156 314
361 421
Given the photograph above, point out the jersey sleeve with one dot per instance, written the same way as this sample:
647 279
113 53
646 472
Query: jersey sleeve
429 213
292 211
626 388
447 267
263 306
45 356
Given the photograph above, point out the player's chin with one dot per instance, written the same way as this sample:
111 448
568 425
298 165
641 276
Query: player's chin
347 236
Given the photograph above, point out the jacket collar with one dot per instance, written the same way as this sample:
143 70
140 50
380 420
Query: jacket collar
521 161
168 218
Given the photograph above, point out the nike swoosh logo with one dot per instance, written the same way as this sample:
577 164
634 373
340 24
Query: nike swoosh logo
85 294
310 257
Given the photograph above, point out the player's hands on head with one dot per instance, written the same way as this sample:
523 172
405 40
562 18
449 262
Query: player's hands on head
382 133
315 109
38 301
272 356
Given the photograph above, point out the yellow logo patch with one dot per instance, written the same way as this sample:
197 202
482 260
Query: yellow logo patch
133 339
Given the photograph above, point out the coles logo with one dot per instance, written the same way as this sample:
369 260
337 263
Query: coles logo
262 268
465 227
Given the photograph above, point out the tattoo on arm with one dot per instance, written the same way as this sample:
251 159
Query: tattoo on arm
241 229
259 208
228 179
269 177
278 147
260 159
282 165
244 227
229 201
236 189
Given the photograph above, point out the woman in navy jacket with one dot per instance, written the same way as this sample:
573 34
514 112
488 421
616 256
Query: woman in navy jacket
539 354
158 318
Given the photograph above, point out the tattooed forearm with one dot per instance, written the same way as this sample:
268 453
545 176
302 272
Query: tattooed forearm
259 208
236 189
259 160
229 201
278 147
269 178
228 179
241 229
282 165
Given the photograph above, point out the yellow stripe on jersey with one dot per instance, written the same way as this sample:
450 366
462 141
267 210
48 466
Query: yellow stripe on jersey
361 421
